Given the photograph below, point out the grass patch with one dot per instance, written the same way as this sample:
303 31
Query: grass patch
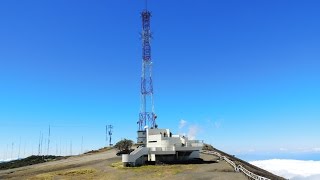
69 173
159 171
76 172
42 177
155 171
117 165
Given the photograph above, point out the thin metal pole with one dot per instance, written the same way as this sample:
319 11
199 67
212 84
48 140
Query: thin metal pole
12 150
48 150
81 145
6 153
19 148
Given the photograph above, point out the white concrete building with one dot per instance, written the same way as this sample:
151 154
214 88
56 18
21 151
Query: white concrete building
161 145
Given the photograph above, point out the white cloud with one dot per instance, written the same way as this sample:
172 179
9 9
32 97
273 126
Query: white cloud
182 123
193 131
217 124
283 149
291 169
317 149
313 177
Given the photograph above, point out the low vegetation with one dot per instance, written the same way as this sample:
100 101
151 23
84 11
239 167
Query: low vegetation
28 161
159 171
76 172
124 145
86 173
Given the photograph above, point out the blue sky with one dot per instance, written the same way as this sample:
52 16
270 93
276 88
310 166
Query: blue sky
244 74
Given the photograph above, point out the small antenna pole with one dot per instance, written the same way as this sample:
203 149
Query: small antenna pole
106 135
39 144
71 148
81 145
56 149
12 150
6 153
19 148
109 132
48 150
24 150
41 147
66 148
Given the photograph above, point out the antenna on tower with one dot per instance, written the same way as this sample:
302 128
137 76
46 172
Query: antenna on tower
146 3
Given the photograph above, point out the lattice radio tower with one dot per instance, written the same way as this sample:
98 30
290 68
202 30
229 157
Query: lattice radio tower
147 115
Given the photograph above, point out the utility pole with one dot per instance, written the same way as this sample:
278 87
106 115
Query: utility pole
106 135
109 132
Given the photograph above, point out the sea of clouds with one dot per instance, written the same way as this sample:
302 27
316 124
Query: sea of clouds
291 169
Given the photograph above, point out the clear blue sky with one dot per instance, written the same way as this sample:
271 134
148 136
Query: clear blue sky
244 74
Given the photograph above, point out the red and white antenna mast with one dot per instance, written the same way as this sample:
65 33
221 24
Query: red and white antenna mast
147 116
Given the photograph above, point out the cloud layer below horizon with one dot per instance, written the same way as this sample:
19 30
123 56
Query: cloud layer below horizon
291 169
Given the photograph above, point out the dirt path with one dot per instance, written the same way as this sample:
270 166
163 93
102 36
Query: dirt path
106 165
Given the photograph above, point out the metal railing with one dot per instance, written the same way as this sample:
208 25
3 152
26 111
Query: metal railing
237 168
